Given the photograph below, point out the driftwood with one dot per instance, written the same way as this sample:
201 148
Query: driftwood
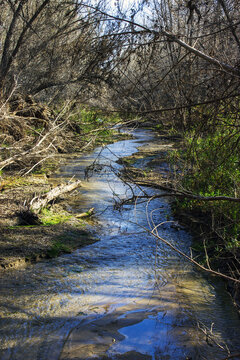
85 214
37 203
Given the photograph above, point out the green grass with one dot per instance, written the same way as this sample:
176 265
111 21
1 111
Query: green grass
90 123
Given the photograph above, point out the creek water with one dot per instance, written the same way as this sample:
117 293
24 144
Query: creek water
161 306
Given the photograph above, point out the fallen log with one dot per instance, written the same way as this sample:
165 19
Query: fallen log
39 202
85 214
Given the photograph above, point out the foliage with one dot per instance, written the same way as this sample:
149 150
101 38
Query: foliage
92 125
214 161
209 168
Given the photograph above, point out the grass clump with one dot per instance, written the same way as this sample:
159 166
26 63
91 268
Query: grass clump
14 181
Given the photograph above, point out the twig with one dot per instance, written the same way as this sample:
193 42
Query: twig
206 254
39 162
188 257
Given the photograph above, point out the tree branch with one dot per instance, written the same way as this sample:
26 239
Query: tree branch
171 37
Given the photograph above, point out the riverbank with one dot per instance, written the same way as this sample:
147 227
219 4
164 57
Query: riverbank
62 232
56 230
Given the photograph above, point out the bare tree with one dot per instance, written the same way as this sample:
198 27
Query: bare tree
175 56
51 45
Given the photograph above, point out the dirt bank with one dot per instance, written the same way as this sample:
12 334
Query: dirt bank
20 244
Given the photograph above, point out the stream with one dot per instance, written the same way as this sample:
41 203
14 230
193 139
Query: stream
127 296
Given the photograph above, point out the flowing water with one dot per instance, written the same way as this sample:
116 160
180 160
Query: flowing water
123 297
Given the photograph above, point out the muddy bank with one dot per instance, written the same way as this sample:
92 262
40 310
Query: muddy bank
21 243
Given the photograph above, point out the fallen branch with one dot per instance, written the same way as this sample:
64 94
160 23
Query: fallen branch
171 38
182 194
85 214
38 203
179 193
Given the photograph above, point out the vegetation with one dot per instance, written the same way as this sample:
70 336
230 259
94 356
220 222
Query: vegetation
28 147
58 248
49 217
209 167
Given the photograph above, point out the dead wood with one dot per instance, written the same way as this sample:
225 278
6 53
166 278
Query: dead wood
38 203
85 214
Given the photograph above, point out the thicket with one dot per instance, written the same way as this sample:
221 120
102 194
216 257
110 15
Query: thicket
209 164
53 64
32 134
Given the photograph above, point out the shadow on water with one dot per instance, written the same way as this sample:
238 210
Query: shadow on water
124 297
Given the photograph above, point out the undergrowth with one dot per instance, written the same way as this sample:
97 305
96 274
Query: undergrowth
93 126
31 133
209 163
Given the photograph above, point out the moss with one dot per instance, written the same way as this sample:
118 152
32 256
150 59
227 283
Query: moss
49 217
68 241
58 248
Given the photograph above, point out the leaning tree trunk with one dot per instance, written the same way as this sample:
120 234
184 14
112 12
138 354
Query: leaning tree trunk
39 203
